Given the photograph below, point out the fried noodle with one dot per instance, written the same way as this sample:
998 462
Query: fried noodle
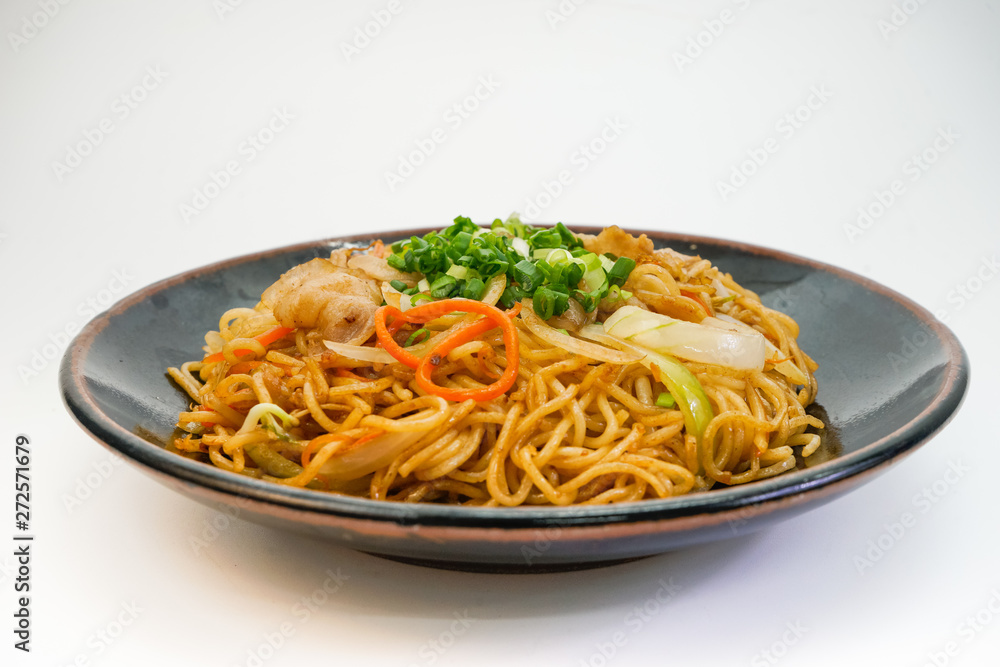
578 424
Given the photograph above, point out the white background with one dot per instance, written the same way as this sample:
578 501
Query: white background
884 81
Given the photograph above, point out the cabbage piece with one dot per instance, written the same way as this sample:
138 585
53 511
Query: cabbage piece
738 348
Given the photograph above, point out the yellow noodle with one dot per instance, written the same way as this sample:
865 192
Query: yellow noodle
571 430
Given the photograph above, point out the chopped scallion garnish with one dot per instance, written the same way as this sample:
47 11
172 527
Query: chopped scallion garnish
665 400
417 336
620 271
547 264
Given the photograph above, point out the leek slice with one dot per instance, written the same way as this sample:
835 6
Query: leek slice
686 390
680 382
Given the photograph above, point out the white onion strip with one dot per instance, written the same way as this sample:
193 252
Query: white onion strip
569 343
786 367
494 289
375 355
596 332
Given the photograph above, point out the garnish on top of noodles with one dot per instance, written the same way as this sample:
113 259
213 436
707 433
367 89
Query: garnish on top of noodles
548 265
505 365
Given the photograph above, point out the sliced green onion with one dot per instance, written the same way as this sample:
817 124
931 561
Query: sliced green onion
473 289
443 286
459 260
665 400
595 277
396 261
461 242
595 280
546 238
423 332
459 272
569 239
521 246
528 275
589 300
616 293
548 302
512 294
620 271
419 297
559 255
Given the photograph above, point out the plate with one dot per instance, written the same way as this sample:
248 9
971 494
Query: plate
890 377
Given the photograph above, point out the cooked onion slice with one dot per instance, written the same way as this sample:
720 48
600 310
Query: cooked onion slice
370 456
494 289
596 333
375 355
721 345
786 367
357 460
391 295
569 343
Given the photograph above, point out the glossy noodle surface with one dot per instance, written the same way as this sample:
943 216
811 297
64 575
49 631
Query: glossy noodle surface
504 365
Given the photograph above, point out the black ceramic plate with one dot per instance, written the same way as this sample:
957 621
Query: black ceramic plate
890 377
